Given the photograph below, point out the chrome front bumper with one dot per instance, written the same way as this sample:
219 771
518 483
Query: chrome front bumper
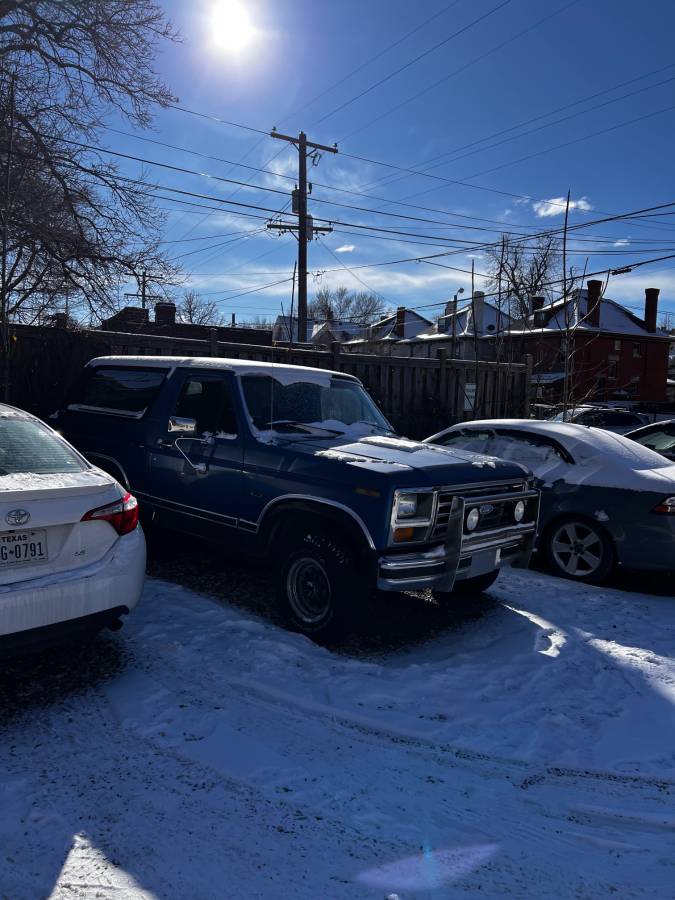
439 567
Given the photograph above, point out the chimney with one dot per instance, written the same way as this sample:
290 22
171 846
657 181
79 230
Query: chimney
537 303
651 308
233 320
165 313
399 327
478 311
594 289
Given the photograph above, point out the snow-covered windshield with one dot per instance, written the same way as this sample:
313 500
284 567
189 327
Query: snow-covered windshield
27 446
325 406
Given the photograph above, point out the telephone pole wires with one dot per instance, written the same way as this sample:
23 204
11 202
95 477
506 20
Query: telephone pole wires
305 228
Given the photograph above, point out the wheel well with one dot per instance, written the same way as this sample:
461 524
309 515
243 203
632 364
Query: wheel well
286 518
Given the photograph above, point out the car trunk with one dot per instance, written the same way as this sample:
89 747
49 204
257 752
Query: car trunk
41 529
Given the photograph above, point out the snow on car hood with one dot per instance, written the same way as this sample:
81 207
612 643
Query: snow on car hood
392 454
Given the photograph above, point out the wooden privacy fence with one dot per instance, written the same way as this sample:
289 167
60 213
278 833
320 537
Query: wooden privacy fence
419 396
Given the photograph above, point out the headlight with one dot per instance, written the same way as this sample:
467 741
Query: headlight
472 520
666 506
407 506
519 511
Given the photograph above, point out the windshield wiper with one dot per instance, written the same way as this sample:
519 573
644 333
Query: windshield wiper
305 426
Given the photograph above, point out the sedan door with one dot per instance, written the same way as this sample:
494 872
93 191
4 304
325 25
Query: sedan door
196 462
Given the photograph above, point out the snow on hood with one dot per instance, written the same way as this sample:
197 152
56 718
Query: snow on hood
389 454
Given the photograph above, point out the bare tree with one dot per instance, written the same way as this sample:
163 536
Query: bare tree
521 270
340 304
194 310
71 224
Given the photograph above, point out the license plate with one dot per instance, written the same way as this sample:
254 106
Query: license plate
20 548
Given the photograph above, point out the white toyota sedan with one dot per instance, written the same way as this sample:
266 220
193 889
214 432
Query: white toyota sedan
72 554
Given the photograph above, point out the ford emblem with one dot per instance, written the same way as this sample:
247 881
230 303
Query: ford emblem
486 509
17 517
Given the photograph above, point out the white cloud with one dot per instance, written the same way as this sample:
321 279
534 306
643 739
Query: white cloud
346 248
555 206
622 242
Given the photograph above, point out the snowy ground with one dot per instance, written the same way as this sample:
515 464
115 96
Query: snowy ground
202 752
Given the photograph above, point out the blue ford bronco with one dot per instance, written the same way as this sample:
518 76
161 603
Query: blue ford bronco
299 466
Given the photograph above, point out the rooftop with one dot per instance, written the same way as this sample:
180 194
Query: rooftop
238 366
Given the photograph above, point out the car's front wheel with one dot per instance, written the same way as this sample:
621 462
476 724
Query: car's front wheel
579 549
320 590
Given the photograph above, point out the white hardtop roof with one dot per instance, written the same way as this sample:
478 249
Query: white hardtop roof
238 366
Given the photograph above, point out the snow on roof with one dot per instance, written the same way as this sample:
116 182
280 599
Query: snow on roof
13 412
570 312
238 366
413 324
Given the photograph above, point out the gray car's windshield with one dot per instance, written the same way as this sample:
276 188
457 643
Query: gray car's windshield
335 405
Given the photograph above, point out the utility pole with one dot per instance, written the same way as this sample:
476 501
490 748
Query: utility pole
305 227
4 290
142 292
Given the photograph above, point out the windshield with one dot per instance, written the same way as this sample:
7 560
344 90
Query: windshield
336 405
27 446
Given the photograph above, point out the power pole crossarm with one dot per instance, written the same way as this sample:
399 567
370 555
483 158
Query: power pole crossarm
303 145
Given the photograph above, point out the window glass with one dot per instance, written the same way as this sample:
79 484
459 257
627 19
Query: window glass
114 388
528 450
209 402
475 441
336 404
28 446
661 440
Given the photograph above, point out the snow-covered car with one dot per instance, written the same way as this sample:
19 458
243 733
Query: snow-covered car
72 554
619 421
605 500
659 436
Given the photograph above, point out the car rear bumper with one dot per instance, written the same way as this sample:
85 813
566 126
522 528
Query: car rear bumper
32 639
114 581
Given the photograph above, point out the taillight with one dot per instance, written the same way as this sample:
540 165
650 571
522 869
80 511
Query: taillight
122 514
666 507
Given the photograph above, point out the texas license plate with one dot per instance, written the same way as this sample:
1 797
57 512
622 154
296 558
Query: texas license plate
19 548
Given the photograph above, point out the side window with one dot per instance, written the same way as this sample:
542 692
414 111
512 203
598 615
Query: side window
474 441
209 402
529 451
119 390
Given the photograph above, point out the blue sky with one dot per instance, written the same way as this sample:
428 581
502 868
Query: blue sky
522 60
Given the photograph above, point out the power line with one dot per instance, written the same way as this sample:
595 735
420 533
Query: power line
412 62
457 71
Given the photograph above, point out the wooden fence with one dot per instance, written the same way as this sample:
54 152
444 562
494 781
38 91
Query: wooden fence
419 396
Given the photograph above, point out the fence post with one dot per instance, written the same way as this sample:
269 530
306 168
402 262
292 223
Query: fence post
335 349
442 376
213 337
527 385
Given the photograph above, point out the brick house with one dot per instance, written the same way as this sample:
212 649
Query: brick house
608 352
136 320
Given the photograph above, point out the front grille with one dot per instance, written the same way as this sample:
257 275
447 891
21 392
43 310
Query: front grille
500 516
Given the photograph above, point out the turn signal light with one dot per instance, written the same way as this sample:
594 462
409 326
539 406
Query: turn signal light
666 506
122 515
403 534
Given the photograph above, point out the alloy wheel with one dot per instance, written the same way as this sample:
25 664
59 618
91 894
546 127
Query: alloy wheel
577 549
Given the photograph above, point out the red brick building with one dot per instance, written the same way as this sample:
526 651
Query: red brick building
605 351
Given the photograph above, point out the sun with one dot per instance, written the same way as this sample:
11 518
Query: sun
232 28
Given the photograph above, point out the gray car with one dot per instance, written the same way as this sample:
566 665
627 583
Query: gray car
605 500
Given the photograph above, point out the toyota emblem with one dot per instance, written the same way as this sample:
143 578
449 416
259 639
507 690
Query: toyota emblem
17 517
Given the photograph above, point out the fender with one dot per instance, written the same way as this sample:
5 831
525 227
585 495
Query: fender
305 501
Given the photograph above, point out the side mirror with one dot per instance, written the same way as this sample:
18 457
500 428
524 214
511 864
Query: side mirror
185 426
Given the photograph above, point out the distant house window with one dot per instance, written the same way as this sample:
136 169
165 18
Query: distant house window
617 345
612 369
637 351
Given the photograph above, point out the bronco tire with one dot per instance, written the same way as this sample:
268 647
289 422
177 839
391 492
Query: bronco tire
319 588
469 587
